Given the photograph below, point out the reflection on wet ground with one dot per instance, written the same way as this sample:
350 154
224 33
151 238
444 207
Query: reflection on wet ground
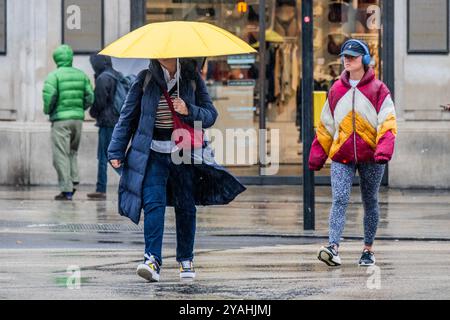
250 272
261 210
254 248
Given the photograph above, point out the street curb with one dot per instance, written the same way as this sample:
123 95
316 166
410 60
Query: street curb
294 236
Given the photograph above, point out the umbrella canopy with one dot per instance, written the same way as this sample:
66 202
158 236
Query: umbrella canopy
271 36
177 39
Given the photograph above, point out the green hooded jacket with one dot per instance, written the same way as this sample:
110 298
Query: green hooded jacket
67 91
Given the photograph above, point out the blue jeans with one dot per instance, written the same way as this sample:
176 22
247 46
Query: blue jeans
160 169
104 138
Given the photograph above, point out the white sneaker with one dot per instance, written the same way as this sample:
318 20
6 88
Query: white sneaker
149 270
329 255
187 270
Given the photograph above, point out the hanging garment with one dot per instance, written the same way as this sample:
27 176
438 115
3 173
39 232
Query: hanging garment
318 38
287 73
295 68
270 74
286 21
277 72
338 12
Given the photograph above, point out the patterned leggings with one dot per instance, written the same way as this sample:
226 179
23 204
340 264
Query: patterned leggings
341 185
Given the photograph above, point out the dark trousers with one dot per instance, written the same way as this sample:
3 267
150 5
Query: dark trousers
160 170
104 138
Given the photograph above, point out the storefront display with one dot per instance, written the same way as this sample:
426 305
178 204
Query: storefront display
338 11
286 18
340 21
233 81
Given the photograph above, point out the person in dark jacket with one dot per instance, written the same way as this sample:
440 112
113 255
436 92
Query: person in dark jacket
150 178
67 94
104 113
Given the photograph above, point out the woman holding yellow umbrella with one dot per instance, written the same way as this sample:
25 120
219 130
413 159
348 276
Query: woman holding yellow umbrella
168 95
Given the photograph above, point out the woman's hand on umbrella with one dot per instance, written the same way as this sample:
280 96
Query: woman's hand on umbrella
180 106
116 164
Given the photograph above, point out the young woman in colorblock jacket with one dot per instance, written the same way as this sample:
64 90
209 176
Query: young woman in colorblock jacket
357 132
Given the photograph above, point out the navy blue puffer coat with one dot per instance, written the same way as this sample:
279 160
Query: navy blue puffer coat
214 185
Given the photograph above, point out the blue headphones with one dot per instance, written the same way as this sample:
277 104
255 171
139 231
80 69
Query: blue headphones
367 59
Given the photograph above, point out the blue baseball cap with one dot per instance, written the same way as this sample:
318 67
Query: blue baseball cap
352 48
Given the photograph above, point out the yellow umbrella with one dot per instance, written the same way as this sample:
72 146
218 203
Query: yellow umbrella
271 36
177 39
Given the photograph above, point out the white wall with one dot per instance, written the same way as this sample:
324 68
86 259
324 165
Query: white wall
422 83
34 31
422 155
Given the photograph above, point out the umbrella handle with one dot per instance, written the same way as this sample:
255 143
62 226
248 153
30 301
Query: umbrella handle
178 78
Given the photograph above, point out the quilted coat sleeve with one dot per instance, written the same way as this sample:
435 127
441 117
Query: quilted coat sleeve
123 130
387 127
88 94
204 111
321 145
50 92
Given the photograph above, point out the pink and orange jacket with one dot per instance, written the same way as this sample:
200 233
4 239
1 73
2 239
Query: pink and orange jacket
356 125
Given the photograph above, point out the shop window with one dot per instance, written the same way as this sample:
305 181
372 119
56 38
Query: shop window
6 114
334 23
83 25
232 81
428 25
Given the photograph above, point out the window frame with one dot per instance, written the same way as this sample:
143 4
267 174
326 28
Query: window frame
84 52
5 13
411 51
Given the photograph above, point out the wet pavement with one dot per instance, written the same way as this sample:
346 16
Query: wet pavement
254 248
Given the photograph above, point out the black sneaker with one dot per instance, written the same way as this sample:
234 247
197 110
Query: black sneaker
64 196
97 195
367 259
150 269
329 255
187 270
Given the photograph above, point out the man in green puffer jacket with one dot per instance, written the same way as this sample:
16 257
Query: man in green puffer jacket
67 95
